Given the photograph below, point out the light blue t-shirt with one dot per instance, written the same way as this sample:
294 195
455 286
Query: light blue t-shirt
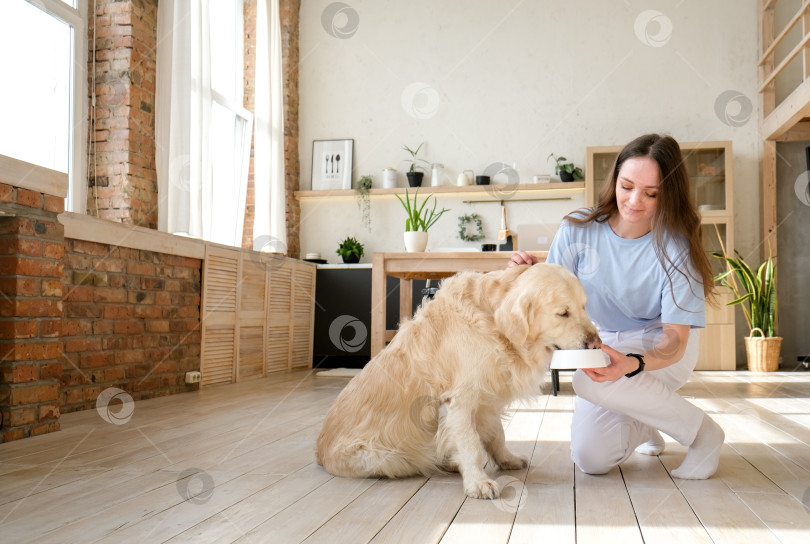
626 285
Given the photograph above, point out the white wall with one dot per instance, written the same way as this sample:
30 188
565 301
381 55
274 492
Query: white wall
512 81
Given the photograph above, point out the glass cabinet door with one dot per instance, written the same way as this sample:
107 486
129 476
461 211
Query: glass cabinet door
598 170
706 164
707 175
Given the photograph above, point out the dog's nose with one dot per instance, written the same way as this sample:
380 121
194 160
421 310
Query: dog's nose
594 342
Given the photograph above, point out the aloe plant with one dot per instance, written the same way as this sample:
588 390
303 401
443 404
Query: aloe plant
756 292
414 160
418 217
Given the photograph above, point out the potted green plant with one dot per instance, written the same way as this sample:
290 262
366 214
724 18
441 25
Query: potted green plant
413 173
756 294
362 191
566 170
351 250
420 219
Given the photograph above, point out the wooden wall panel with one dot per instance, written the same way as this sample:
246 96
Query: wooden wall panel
258 315
218 316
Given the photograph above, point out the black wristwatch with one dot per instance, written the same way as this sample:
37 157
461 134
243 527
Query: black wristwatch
640 364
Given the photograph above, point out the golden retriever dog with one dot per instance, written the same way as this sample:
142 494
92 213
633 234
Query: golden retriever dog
433 399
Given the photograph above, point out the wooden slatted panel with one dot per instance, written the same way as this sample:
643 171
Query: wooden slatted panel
217 356
303 294
280 285
252 284
250 352
219 310
301 347
258 315
220 279
252 317
277 353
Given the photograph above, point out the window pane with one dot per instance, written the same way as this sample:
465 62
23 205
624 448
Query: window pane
225 70
35 95
224 198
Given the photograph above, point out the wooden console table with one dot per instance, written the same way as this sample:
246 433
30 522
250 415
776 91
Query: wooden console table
425 266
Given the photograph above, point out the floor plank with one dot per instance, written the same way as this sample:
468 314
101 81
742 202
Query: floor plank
236 464
785 516
302 518
364 517
548 513
173 521
664 515
236 521
604 510
726 518
426 517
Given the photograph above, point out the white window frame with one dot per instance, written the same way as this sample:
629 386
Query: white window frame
242 134
242 138
76 18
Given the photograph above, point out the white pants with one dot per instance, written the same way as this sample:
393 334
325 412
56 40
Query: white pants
612 419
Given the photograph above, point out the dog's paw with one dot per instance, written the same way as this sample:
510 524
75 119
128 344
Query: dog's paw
513 462
482 489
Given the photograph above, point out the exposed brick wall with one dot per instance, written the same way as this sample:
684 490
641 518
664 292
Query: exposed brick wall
132 321
290 30
122 174
31 253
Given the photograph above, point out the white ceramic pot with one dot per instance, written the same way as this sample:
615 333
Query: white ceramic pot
415 240
389 178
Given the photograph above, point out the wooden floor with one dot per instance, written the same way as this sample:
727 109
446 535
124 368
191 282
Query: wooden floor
235 464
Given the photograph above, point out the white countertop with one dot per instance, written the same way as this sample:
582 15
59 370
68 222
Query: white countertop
339 266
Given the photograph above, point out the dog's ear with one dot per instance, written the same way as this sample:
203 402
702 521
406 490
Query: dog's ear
512 316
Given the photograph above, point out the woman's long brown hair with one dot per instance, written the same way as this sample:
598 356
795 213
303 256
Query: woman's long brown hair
675 212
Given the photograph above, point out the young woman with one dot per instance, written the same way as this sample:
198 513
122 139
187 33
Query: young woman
640 257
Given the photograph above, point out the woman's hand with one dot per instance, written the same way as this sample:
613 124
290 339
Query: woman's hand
620 364
521 257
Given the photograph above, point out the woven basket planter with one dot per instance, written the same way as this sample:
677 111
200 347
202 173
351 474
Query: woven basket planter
762 352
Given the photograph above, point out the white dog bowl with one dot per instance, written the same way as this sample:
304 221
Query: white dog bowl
579 358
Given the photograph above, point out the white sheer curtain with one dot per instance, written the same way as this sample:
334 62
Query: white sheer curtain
183 115
203 132
269 228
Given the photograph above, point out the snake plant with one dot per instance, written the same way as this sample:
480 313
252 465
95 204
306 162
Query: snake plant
756 292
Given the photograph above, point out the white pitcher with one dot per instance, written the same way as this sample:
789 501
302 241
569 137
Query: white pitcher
437 170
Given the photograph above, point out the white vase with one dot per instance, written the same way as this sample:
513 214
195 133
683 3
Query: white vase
415 240
389 178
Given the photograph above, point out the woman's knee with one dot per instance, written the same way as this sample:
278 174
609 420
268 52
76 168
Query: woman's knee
590 461
597 450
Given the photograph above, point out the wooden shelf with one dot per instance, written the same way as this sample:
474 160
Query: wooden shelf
486 192
715 216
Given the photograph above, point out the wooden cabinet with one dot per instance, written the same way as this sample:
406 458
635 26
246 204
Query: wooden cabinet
709 165
257 315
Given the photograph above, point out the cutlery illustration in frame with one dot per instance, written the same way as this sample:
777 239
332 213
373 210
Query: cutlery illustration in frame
332 164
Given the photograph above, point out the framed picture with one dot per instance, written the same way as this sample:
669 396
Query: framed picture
332 164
